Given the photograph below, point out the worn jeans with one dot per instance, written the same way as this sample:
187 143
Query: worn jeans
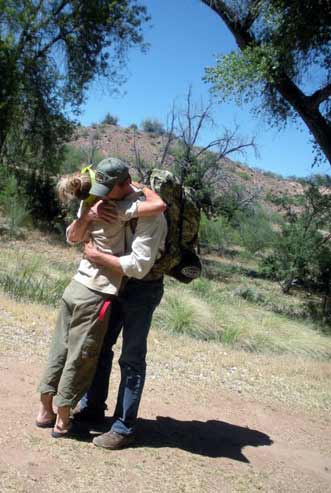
132 312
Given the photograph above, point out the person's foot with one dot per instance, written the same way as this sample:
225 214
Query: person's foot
46 416
47 423
73 430
113 441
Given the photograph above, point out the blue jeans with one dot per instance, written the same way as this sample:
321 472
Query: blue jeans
132 312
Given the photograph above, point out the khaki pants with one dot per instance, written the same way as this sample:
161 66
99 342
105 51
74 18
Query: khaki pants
76 344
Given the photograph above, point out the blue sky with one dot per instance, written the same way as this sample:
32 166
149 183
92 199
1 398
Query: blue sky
184 38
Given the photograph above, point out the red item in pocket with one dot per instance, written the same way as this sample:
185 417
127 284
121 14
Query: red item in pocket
103 310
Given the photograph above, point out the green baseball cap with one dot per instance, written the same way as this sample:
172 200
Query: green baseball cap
107 173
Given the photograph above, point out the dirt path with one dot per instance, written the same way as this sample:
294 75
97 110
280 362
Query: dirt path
231 444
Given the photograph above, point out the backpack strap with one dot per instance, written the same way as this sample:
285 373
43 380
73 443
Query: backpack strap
181 215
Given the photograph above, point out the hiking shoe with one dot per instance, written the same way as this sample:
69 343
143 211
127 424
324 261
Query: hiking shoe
113 440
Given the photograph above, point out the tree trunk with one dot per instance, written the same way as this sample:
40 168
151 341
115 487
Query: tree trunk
316 123
319 126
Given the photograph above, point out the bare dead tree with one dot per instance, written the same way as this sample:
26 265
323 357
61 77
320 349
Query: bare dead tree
169 136
189 123
198 166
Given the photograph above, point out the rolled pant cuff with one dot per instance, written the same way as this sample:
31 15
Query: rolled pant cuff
60 401
43 388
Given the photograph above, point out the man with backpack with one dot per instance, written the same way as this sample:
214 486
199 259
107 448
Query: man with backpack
132 312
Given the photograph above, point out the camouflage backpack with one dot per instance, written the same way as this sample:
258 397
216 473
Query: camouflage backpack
183 217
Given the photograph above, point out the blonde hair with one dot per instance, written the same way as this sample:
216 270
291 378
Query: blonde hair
74 186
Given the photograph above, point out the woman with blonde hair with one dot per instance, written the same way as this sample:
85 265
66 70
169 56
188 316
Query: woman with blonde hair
86 302
76 186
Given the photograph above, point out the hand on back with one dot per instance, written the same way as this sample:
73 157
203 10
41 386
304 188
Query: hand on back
103 211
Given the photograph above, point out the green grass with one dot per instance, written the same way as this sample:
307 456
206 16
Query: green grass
238 308
184 314
212 312
33 277
230 335
22 286
234 306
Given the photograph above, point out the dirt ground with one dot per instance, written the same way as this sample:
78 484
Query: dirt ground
195 432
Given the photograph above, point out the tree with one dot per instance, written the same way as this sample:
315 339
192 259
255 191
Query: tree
199 167
110 119
302 249
50 51
283 44
235 200
152 126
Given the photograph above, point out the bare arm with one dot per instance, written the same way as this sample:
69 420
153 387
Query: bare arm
77 230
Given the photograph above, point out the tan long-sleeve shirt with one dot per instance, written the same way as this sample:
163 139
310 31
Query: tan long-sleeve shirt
137 250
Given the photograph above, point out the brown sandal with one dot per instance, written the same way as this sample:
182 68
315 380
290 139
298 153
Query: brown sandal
46 424
74 431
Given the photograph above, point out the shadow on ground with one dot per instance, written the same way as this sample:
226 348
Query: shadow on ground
208 438
211 438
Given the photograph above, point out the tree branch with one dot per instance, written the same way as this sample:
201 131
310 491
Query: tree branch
52 42
241 34
252 15
305 106
26 34
315 99
201 119
170 135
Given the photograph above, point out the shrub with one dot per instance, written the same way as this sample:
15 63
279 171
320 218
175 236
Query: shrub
235 199
321 180
202 286
302 253
14 205
181 314
73 159
110 120
43 202
76 158
250 294
152 126
270 174
230 335
243 175
215 233
284 200
255 230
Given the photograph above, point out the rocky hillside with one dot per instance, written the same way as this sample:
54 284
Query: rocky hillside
126 142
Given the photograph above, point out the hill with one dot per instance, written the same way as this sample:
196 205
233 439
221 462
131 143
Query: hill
124 142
